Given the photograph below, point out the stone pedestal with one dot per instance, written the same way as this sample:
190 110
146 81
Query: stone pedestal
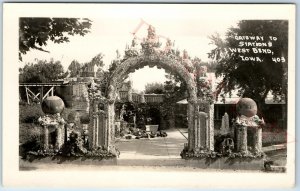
248 133
241 139
46 137
56 123
258 140
102 127
201 131
97 129
191 121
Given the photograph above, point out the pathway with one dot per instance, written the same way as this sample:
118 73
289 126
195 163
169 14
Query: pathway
156 151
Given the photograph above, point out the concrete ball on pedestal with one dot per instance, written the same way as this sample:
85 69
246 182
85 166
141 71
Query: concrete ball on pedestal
53 105
246 107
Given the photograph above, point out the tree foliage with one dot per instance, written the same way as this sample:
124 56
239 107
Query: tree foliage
252 79
74 68
40 72
154 88
34 33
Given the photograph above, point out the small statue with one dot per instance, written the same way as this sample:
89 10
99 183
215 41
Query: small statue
168 46
134 42
118 54
151 32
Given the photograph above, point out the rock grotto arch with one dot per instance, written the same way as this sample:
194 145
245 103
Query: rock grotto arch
200 110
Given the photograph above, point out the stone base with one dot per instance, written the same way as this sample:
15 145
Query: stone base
31 159
227 163
223 163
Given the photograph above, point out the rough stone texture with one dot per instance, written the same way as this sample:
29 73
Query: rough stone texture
58 123
101 128
154 59
253 125
258 140
46 137
211 126
242 139
191 121
110 130
170 60
208 108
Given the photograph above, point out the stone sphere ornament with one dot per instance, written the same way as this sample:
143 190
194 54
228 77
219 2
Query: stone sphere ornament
246 107
53 105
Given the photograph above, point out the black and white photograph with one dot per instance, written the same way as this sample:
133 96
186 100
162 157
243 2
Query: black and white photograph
149 95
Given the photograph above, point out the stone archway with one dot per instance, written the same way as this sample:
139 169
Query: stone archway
138 62
199 126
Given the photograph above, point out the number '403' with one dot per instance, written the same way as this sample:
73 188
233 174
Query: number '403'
278 59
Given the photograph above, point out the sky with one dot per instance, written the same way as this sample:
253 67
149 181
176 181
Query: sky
110 32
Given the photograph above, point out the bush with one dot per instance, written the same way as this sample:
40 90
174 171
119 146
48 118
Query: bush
29 138
30 113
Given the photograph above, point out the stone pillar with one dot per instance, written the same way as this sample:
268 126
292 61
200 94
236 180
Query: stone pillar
258 139
203 127
210 130
191 121
94 131
242 138
196 131
59 137
97 131
102 119
46 137
93 125
110 132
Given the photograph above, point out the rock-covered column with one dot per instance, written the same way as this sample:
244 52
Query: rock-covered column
258 139
102 120
242 138
196 131
59 136
46 137
202 130
210 127
110 132
60 133
93 125
191 121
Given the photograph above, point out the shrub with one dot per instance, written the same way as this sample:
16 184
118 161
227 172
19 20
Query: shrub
29 138
30 113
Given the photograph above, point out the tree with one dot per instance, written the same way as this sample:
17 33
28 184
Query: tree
252 78
40 72
97 60
154 88
34 33
175 88
74 68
